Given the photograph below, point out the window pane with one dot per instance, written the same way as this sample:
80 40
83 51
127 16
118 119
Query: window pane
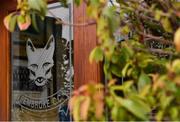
42 70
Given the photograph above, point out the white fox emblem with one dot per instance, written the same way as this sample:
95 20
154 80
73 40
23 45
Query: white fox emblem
40 61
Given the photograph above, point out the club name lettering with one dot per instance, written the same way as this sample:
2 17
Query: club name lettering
35 104
42 104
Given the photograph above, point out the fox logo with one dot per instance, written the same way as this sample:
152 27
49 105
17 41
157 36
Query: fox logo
40 61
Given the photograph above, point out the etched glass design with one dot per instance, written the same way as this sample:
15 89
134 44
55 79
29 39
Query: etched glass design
42 68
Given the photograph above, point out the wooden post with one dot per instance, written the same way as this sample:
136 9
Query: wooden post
85 40
4 69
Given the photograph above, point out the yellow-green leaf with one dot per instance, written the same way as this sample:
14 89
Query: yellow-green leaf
96 54
143 81
166 24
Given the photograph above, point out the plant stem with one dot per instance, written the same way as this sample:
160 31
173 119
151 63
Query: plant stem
156 38
59 21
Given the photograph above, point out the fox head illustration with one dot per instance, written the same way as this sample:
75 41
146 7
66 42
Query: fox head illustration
40 61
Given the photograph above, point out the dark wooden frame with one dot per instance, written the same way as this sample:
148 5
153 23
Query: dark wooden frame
84 41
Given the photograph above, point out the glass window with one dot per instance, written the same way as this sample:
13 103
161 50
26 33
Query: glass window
42 68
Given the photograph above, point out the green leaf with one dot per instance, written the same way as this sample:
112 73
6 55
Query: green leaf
166 101
77 2
145 107
38 5
145 90
34 22
34 4
12 23
143 81
7 21
159 115
76 109
125 69
109 101
127 50
136 108
116 70
122 114
115 58
127 85
166 24
176 66
125 30
171 86
96 54
114 112
21 19
42 3
43 6
106 69
176 4
124 87
174 113
158 15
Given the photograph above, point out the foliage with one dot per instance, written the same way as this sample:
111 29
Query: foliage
135 42
151 90
88 103
26 14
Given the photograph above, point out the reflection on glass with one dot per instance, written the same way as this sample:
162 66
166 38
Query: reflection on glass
42 70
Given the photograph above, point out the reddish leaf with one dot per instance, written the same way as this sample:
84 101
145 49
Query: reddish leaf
9 22
99 104
72 103
26 24
85 108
